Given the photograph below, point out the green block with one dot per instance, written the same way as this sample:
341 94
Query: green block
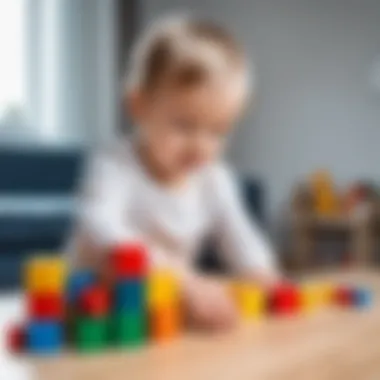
91 333
128 328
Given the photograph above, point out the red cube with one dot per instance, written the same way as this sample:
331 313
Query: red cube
285 299
15 339
95 301
129 260
344 296
44 306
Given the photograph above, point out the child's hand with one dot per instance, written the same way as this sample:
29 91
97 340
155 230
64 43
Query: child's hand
208 304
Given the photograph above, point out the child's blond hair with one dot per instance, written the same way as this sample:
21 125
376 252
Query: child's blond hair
183 51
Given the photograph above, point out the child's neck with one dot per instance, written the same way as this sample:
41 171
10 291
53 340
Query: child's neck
158 173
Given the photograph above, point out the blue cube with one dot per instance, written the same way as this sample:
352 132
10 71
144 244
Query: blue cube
130 295
44 337
363 297
77 283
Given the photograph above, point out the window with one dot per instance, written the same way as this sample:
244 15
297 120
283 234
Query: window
12 62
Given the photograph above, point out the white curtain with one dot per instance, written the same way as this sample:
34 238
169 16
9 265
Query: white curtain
71 89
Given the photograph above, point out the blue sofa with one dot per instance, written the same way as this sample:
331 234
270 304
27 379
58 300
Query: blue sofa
36 206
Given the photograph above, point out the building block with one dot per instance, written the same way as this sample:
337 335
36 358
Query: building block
162 288
130 295
129 328
16 339
129 261
91 334
46 306
77 283
250 300
45 274
362 297
344 296
165 322
310 297
95 301
44 337
285 299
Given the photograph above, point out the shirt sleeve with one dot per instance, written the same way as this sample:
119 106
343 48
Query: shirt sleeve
104 200
241 241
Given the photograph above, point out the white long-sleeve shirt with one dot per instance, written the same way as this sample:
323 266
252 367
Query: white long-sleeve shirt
121 202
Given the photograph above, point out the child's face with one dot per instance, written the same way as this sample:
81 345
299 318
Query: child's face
186 129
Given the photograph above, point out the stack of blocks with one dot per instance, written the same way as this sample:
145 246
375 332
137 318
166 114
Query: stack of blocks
45 291
129 315
164 305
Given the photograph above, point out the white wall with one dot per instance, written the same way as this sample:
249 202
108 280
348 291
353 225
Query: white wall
315 104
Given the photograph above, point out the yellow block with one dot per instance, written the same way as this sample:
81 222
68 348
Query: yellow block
163 288
45 274
316 295
250 300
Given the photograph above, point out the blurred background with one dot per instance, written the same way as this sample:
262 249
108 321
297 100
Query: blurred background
307 148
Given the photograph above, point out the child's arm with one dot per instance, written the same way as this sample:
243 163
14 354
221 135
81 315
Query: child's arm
241 241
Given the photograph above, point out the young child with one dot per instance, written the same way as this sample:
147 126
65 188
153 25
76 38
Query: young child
166 185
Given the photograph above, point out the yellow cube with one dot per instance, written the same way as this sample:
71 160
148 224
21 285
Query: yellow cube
310 297
45 274
162 288
250 300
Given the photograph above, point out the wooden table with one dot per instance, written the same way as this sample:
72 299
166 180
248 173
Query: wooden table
333 344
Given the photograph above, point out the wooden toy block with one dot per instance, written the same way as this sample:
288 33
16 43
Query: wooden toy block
129 260
130 295
77 283
91 334
46 306
45 274
16 339
44 337
162 288
165 322
362 297
129 328
344 296
250 300
95 301
285 299
310 297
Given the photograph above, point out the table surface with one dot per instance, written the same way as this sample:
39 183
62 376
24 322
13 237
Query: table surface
332 344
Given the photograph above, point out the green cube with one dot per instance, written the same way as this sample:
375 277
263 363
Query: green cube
128 328
91 333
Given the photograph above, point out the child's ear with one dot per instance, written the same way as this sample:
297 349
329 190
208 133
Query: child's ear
134 105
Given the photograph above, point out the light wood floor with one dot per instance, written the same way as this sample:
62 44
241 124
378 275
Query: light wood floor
330 345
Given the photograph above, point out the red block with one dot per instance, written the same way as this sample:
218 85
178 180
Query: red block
285 299
95 301
42 306
129 260
15 339
344 296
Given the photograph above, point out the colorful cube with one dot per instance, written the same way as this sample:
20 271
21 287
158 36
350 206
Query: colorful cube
130 295
129 261
45 274
285 299
91 333
362 297
95 301
165 322
44 337
46 306
162 288
129 328
77 282
250 299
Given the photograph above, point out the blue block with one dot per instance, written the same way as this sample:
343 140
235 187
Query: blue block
363 297
78 281
44 337
130 295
